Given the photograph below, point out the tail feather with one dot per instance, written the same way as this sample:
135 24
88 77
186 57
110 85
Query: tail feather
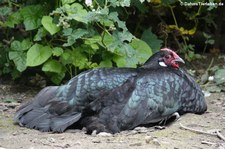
61 123
47 112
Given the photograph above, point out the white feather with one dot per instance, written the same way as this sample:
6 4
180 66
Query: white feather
162 64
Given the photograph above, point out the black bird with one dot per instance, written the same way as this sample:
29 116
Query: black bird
116 99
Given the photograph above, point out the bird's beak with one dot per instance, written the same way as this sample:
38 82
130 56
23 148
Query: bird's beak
179 60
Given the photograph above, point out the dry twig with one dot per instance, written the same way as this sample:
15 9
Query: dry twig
217 133
209 143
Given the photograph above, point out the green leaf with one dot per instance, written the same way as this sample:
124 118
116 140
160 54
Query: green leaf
4 11
152 40
100 15
128 58
79 59
74 35
49 25
105 63
66 57
57 77
32 16
38 54
16 45
168 2
19 59
26 44
114 17
14 19
220 76
53 66
207 36
143 51
137 52
77 12
67 1
20 46
57 51
122 3
9 100
210 41
115 43
213 89
40 34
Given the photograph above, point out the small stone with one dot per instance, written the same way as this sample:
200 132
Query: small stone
156 142
141 129
94 133
104 134
15 133
52 140
160 127
66 146
77 143
136 144
96 141
148 139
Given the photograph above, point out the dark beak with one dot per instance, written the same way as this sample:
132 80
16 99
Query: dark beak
179 60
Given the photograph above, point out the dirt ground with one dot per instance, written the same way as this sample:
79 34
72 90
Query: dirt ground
211 124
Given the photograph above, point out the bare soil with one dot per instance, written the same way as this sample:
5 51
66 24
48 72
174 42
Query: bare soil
211 124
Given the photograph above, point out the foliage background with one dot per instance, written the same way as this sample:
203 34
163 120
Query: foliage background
61 38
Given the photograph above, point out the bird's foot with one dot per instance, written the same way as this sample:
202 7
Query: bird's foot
176 115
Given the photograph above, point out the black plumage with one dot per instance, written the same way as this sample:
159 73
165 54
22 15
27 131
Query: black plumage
116 99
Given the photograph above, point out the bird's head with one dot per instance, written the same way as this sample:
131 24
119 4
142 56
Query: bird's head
164 58
169 58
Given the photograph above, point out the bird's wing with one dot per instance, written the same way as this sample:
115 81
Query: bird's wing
151 101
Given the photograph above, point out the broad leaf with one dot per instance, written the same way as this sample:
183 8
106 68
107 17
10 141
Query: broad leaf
128 58
143 51
56 77
26 44
57 51
67 1
49 25
105 63
152 40
66 57
137 52
32 16
13 19
114 17
38 54
20 46
122 3
4 10
19 58
79 59
41 33
53 66
16 45
220 76
73 35
77 12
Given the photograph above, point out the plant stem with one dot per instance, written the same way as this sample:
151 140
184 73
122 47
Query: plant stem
210 65
174 17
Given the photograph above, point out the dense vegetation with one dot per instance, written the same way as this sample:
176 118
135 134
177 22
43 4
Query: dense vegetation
63 37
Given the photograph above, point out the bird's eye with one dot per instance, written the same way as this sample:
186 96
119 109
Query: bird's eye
167 56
